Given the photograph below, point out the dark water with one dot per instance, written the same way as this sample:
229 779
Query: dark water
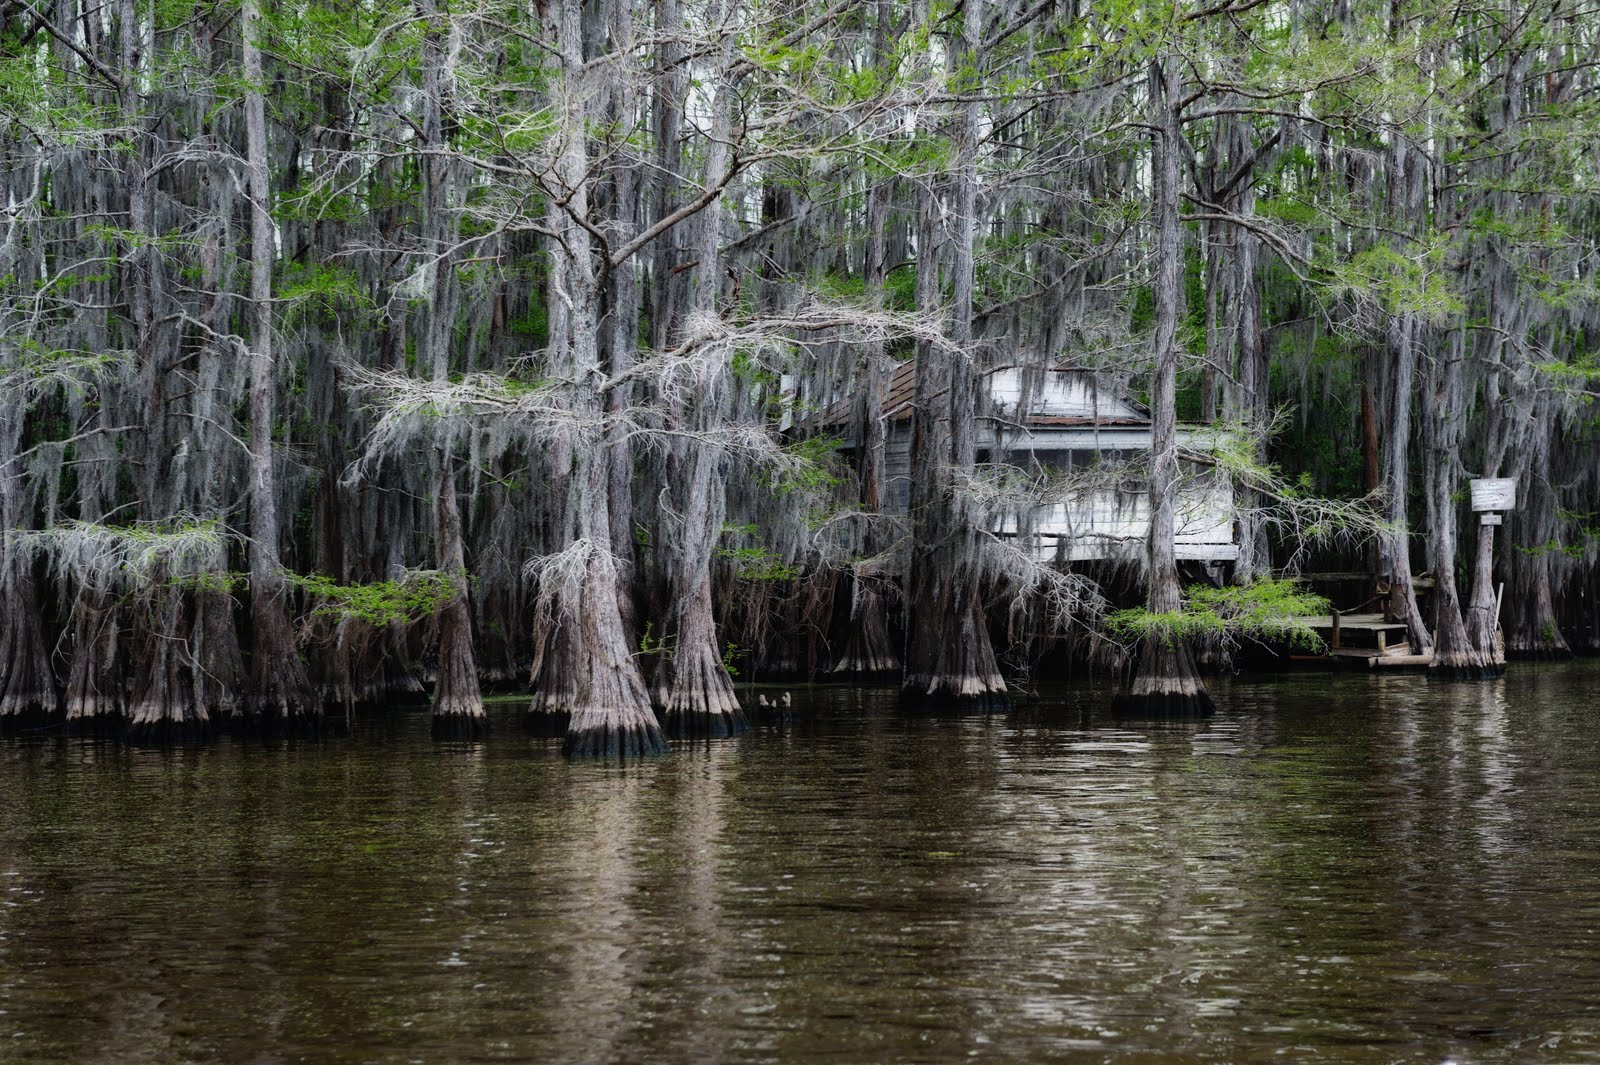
1341 869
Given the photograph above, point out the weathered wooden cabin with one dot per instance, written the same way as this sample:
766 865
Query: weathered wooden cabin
1067 420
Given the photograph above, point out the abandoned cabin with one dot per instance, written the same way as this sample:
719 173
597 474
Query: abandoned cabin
1066 420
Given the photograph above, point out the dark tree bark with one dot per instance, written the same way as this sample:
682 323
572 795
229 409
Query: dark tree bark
1166 680
281 695
949 656
458 711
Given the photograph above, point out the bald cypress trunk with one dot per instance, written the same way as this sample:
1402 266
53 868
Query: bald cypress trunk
28 695
949 655
1407 202
1166 680
1534 630
586 669
457 701
1483 613
281 694
699 698
1454 653
869 649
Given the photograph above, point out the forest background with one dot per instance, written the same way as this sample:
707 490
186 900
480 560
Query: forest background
355 352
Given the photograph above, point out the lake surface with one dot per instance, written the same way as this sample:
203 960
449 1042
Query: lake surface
1341 868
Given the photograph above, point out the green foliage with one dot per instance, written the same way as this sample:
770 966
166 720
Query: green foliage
755 562
1417 281
649 642
418 595
327 286
814 465
1265 610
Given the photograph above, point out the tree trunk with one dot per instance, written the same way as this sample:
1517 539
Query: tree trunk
1535 631
1454 654
281 694
586 664
949 656
869 648
28 693
1166 681
700 699
164 706
1406 203
96 696
457 701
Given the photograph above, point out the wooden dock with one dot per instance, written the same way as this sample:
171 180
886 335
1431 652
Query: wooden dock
1364 640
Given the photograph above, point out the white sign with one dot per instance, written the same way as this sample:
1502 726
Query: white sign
1494 493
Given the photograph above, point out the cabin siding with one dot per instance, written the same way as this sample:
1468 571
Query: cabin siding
1103 523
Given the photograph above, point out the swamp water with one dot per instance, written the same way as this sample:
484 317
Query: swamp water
1350 868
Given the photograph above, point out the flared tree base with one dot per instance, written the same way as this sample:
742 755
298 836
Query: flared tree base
166 732
1469 665
971 694
620 737
704 724
460 726
1539 653
1163 705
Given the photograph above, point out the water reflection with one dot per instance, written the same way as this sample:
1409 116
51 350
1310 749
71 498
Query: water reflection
1365 869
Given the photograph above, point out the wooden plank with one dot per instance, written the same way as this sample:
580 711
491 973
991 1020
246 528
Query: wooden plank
1402 662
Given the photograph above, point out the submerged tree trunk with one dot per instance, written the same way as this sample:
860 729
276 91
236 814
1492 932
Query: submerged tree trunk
1166 680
